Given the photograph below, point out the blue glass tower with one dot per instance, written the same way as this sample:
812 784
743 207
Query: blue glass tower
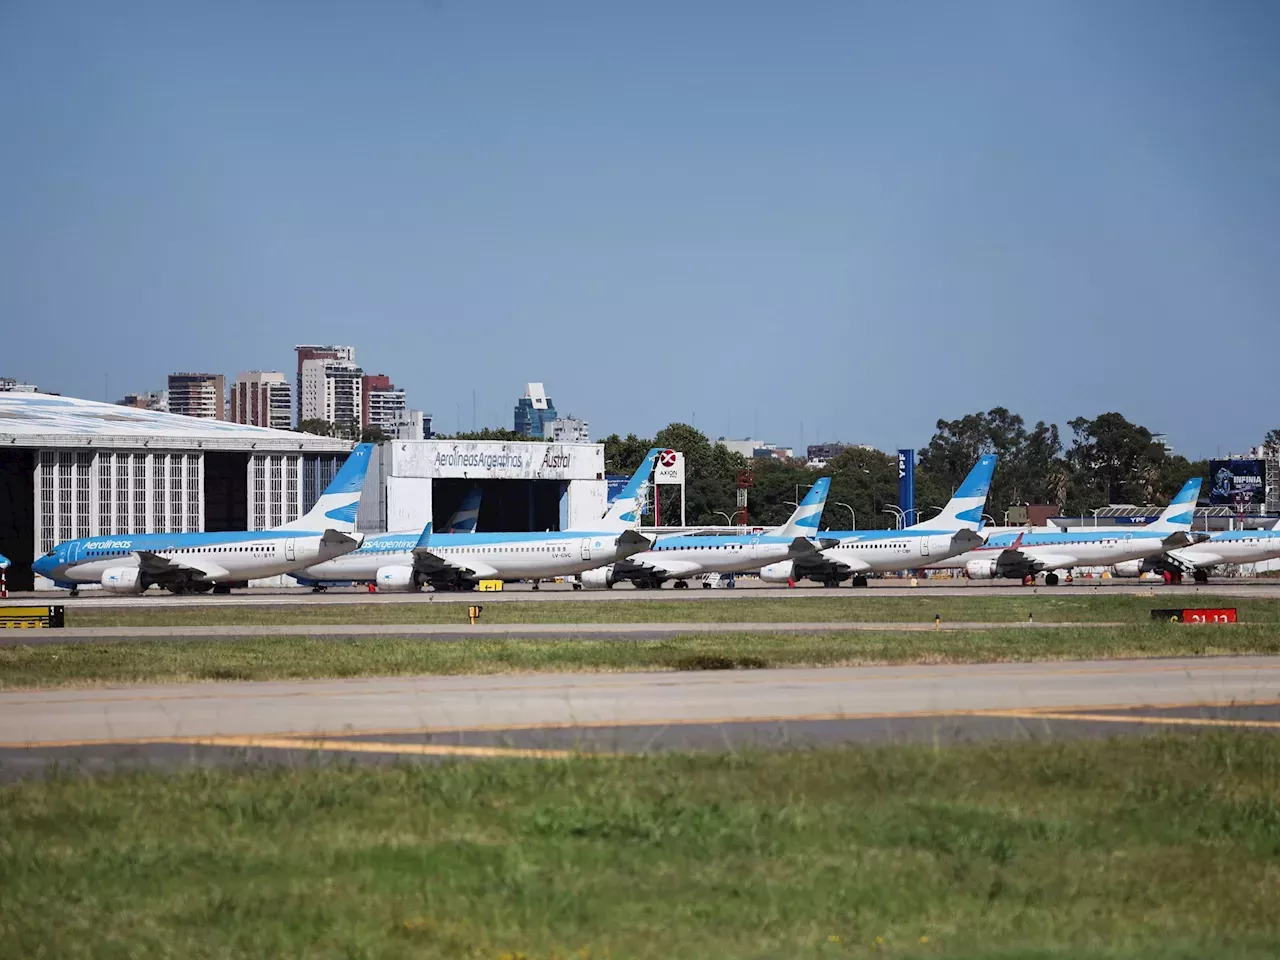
534 411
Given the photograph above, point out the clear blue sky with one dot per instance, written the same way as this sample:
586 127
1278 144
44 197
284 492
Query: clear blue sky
856 216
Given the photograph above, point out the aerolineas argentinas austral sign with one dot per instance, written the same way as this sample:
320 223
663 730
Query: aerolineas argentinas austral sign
496 460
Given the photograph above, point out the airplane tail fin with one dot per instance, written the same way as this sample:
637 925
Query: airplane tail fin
804 522
1181 511
467 515
624 512
336 508
964 510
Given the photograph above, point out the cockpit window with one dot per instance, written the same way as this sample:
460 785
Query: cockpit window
52 553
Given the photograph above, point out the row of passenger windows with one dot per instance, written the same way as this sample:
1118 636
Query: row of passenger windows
727 546
125 553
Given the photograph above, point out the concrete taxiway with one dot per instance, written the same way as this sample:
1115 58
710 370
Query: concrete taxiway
154 599
554 714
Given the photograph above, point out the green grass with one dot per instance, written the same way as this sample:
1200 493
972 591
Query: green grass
851 605
1125 848
273 658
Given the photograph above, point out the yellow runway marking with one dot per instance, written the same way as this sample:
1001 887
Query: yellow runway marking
334 736
367 746
1135 718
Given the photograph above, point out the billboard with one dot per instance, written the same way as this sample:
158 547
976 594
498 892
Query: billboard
1233 482
907 484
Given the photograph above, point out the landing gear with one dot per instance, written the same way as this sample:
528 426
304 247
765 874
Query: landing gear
319 588
1050 579
75 591
1200 576
222 589
859 581
680 585
831 582
535 584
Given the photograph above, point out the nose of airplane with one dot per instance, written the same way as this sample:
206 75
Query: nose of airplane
44 567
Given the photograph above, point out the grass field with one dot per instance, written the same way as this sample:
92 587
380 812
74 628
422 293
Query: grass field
302 657
860 606
1128 848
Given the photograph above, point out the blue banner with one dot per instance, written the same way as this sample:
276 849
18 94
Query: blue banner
907 484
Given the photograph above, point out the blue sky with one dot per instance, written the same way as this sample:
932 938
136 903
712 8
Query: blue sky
847 219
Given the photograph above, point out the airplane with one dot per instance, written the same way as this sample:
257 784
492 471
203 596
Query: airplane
681 556
467 515
200 562
859 552
1022 556
406 562
1230 546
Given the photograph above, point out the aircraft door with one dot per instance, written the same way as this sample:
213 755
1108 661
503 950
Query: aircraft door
924 546
755 548
73 553
290 549
586 548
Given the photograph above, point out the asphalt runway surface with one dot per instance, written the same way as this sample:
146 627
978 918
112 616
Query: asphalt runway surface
97 599
445 633
549 715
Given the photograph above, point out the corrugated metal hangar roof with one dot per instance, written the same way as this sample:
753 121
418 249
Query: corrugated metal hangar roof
41 420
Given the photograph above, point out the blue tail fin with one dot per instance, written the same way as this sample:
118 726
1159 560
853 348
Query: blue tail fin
337 506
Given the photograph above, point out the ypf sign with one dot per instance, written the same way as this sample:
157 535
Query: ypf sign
669 468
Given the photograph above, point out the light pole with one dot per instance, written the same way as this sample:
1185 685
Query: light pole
899 517
727 518
853 517
989 519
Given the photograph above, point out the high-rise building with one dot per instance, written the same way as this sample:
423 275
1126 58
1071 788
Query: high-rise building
262 398
332 390
10 385
384 402
568 430
415 425
200 395
534 411
311 351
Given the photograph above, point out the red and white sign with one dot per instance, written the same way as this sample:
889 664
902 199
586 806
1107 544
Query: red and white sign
669 468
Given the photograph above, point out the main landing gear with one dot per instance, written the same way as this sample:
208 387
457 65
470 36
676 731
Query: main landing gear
1050 579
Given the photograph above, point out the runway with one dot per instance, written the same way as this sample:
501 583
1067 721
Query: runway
97 599
554 714
440 632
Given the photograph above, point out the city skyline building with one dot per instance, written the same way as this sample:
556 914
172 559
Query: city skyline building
262 398
311 351
534 411
333 391
200 395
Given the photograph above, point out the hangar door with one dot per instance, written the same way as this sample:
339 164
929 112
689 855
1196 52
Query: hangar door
506 506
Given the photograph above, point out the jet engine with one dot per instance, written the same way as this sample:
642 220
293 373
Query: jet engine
123 580
398 579
980 569
1130 569
601 578
780 572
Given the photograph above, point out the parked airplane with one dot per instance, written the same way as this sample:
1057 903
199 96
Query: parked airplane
682 556
859 552
199 562
467 515
1022 556
410 561
1231 546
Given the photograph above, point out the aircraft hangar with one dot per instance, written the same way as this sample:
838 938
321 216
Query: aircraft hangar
78 468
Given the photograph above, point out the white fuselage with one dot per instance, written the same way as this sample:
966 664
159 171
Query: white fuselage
901 552
494 556
689 556
249 559
1253 546
1066 550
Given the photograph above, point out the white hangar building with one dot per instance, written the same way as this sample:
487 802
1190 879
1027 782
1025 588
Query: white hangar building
77 468
523 485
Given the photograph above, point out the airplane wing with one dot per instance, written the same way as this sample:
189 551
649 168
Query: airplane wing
626 569
834 559
1016 559
963 541
630 542
1175 540
169 570
435 568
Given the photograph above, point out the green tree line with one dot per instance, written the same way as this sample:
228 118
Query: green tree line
1106 460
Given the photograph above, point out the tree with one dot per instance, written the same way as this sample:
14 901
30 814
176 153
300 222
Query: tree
623 455
492 433
372 434
316 425
1271 445
1114 461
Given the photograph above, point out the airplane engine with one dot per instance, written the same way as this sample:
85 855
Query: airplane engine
780 572
123 580
1130 568
601 578
396 579
980 569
